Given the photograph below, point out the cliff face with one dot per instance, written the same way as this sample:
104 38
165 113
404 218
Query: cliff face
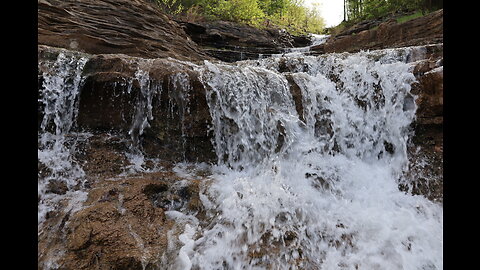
137 28
131 27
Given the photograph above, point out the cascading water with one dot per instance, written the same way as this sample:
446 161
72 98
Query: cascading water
317 193
310 152
142 115
57 141
149 90
56 144
315 40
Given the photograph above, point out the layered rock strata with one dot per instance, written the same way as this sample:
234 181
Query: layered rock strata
131 27
389 34
230 42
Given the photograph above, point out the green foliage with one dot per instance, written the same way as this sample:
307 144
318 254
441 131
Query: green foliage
171 6
299 20
371 9
246 11
272 7
193 13
288 14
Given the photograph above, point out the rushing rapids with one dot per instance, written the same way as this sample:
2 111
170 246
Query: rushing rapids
310 153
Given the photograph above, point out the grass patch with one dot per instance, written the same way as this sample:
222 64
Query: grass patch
409 17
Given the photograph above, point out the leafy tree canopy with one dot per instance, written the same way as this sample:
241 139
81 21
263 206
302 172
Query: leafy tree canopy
370 9
289 14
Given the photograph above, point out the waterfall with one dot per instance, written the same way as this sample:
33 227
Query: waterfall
315 40
310 151
315 189
56 142
148 90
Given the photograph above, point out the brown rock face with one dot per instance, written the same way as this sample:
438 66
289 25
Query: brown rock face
428 69
131 27
389 34
222 33
296 95
430 100
426 151
180 115
122 225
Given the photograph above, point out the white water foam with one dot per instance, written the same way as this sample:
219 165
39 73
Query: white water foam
320 193
315 190
56 141
300 51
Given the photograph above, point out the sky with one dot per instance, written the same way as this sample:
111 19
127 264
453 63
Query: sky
331 10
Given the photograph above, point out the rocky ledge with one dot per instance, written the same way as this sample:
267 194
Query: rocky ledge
138 28
230 42
114 98
131 27
388 34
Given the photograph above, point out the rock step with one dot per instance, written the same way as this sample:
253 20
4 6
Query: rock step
111 100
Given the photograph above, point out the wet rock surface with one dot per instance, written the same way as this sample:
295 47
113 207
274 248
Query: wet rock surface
179 127
425 172
111 100
122 224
